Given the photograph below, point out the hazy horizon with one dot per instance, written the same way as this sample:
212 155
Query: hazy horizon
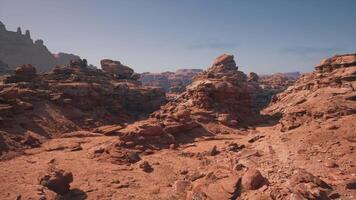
156 36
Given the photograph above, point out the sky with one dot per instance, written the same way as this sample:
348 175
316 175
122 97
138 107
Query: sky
165 35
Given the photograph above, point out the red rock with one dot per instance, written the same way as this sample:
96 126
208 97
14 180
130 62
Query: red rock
252 180
117 69
57 181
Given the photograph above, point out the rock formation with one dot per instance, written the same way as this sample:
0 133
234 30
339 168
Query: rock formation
18 49
118 70
327 93
278 82
67 98
172 82
221 95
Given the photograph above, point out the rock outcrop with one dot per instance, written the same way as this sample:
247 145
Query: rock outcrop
69 98
117 69
220 95
172 82
19 49
326 93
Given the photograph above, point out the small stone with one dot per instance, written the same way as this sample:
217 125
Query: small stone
235 147
146 167
238 167
214 151
330 164
334 195
184 172
132 157
351 185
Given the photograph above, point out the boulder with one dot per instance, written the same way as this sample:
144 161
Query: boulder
252 180
306 185
253 77
117 69
57 180
23 73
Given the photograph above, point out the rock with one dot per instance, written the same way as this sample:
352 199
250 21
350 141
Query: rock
132 157
351 185
253 77
254 139
213 151
23 73
235 147
252 180
308 186
146 167
57 181
226 61
32 140
116 68
181 186
330 164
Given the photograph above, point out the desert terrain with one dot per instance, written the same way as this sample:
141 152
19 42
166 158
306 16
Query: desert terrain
81 133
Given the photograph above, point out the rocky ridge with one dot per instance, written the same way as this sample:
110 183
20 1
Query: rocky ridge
68 98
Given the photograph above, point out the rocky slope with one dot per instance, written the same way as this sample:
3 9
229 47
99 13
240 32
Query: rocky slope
74 97
325 94
172 82
18 49
210 143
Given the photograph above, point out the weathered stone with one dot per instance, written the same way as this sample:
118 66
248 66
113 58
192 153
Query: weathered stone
252 180
57 181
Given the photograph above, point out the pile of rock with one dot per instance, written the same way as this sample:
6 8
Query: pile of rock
328 92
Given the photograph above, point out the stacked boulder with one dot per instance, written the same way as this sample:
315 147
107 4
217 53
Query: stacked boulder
326 93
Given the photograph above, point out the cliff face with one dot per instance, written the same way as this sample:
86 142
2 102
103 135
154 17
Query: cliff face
17 49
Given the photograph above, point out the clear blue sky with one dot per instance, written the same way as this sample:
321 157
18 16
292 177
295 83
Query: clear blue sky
153 35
